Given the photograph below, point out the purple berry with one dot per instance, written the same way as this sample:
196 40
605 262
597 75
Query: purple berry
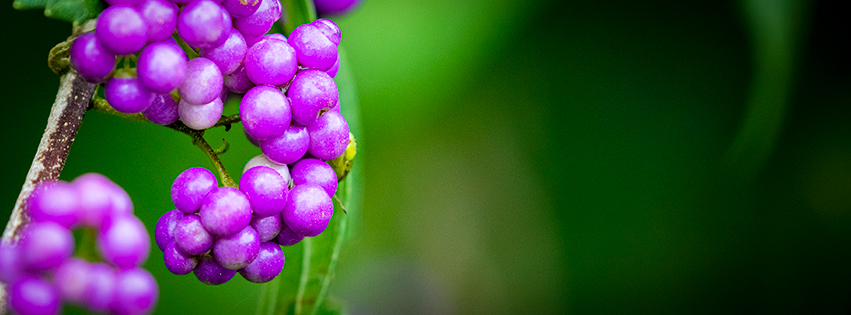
55 201
203 81
270 62
45 246
200 117
267 227
261 21
316 172
266 190
161 66
176 261
164 231
262 160
238 250
210 272
329 29
96 193
225 211
238 81
336 67
191 237
91 60
329 136
288 147
336 107
227 56
308 210
203 24
10 263
121 203
71 279
265 112
190 188
311 93
267 265
32 295
161 18
100 287
127 95
124 242
313 48
163 110
136 292
121 29
250 41
287 237
335 7
241 8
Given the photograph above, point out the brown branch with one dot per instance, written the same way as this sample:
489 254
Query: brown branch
72 99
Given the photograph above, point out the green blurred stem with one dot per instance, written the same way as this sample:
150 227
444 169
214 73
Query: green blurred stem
101 105
298 12
273 295
775 27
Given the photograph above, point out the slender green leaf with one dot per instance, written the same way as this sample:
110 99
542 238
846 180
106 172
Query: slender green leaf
310 264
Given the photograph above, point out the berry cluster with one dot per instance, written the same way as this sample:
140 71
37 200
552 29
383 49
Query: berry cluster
216 232
233 54
41 271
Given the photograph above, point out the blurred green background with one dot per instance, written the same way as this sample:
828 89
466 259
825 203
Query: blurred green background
542 157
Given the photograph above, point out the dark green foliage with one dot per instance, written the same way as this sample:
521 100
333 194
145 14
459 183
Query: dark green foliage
74 11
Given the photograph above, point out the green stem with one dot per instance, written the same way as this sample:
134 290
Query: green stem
198 141
191 53
101 105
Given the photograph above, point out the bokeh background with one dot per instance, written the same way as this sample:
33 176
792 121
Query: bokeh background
542 157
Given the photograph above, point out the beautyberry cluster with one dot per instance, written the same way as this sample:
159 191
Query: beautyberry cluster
230 53
41 271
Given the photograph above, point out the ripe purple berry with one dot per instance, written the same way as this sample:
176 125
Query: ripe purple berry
225 211
238 250
268 264
45 246
190 188
308 210
210 272
124 242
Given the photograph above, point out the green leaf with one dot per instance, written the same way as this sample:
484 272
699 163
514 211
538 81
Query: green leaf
74 11
29 4
310 264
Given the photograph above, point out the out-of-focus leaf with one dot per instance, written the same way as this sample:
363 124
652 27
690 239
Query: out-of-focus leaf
74 11
775 28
